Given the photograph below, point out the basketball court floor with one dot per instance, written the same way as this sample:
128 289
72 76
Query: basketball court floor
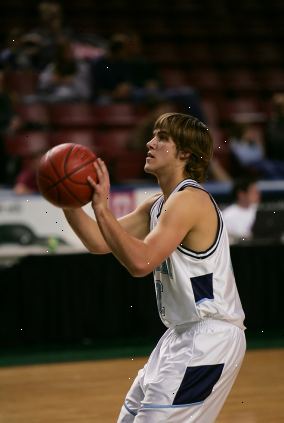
93 391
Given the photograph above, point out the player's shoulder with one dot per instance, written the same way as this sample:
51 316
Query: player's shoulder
194 196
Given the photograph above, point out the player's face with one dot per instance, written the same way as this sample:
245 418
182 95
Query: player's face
162 152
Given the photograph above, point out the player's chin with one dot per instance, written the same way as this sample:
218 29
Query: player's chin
147 168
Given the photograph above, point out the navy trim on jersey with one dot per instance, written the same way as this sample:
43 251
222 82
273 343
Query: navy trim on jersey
153 406
130 411
160 207
212 248
198 383
202 287
178 188
203 300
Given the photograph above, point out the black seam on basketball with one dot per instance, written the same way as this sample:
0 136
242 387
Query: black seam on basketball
71 193
79 168
76 182
53 166
55 169
67 157
69 174
72 173
42 176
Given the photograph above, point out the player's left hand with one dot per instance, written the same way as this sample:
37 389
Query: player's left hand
101 187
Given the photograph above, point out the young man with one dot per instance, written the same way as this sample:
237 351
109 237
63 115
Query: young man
179 235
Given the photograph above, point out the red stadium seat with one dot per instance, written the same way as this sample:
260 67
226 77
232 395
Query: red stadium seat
84 137
112 142
72 115
120 114
229 54
241 80
167 55
21 83
267 53
35 113
129 165
28 143
206 80
272 79
173 78
243 110
197 53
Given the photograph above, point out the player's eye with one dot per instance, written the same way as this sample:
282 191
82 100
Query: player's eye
162 137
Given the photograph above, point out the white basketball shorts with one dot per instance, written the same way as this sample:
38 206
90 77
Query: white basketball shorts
188 375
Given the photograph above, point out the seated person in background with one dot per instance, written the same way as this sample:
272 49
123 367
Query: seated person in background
240 216
274 132
247 147
67 79
121 73
26 181
22 51
50 28
124 73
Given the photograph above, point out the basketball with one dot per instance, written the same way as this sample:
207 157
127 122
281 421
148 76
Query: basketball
62 175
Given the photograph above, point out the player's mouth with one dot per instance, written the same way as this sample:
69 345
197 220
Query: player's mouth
149 156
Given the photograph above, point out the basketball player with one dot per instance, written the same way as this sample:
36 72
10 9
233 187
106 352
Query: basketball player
178 235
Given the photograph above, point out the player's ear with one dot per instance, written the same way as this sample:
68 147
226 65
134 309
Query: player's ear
184 155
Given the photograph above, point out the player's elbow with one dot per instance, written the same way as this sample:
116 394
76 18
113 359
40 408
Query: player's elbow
96 249
139 271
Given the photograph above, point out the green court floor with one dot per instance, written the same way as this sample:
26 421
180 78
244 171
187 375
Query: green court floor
90 350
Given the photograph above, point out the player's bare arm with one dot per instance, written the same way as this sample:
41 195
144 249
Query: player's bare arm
86 228
180 214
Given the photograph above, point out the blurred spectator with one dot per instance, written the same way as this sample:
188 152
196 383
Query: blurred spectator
26 182
66 79
125 73
247 148
22 51
240 216
9 123
275 129
50 28
117 75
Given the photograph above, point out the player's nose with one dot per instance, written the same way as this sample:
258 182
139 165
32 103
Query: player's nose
152 143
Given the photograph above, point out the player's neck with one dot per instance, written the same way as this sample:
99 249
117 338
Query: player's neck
169 182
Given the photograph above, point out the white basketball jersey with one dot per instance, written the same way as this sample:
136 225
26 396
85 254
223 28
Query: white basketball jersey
193 286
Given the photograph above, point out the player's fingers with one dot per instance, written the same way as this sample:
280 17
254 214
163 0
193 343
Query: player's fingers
104 169
91 181
98 166
101 166
102 163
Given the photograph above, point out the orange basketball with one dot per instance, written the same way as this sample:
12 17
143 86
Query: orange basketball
62 175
